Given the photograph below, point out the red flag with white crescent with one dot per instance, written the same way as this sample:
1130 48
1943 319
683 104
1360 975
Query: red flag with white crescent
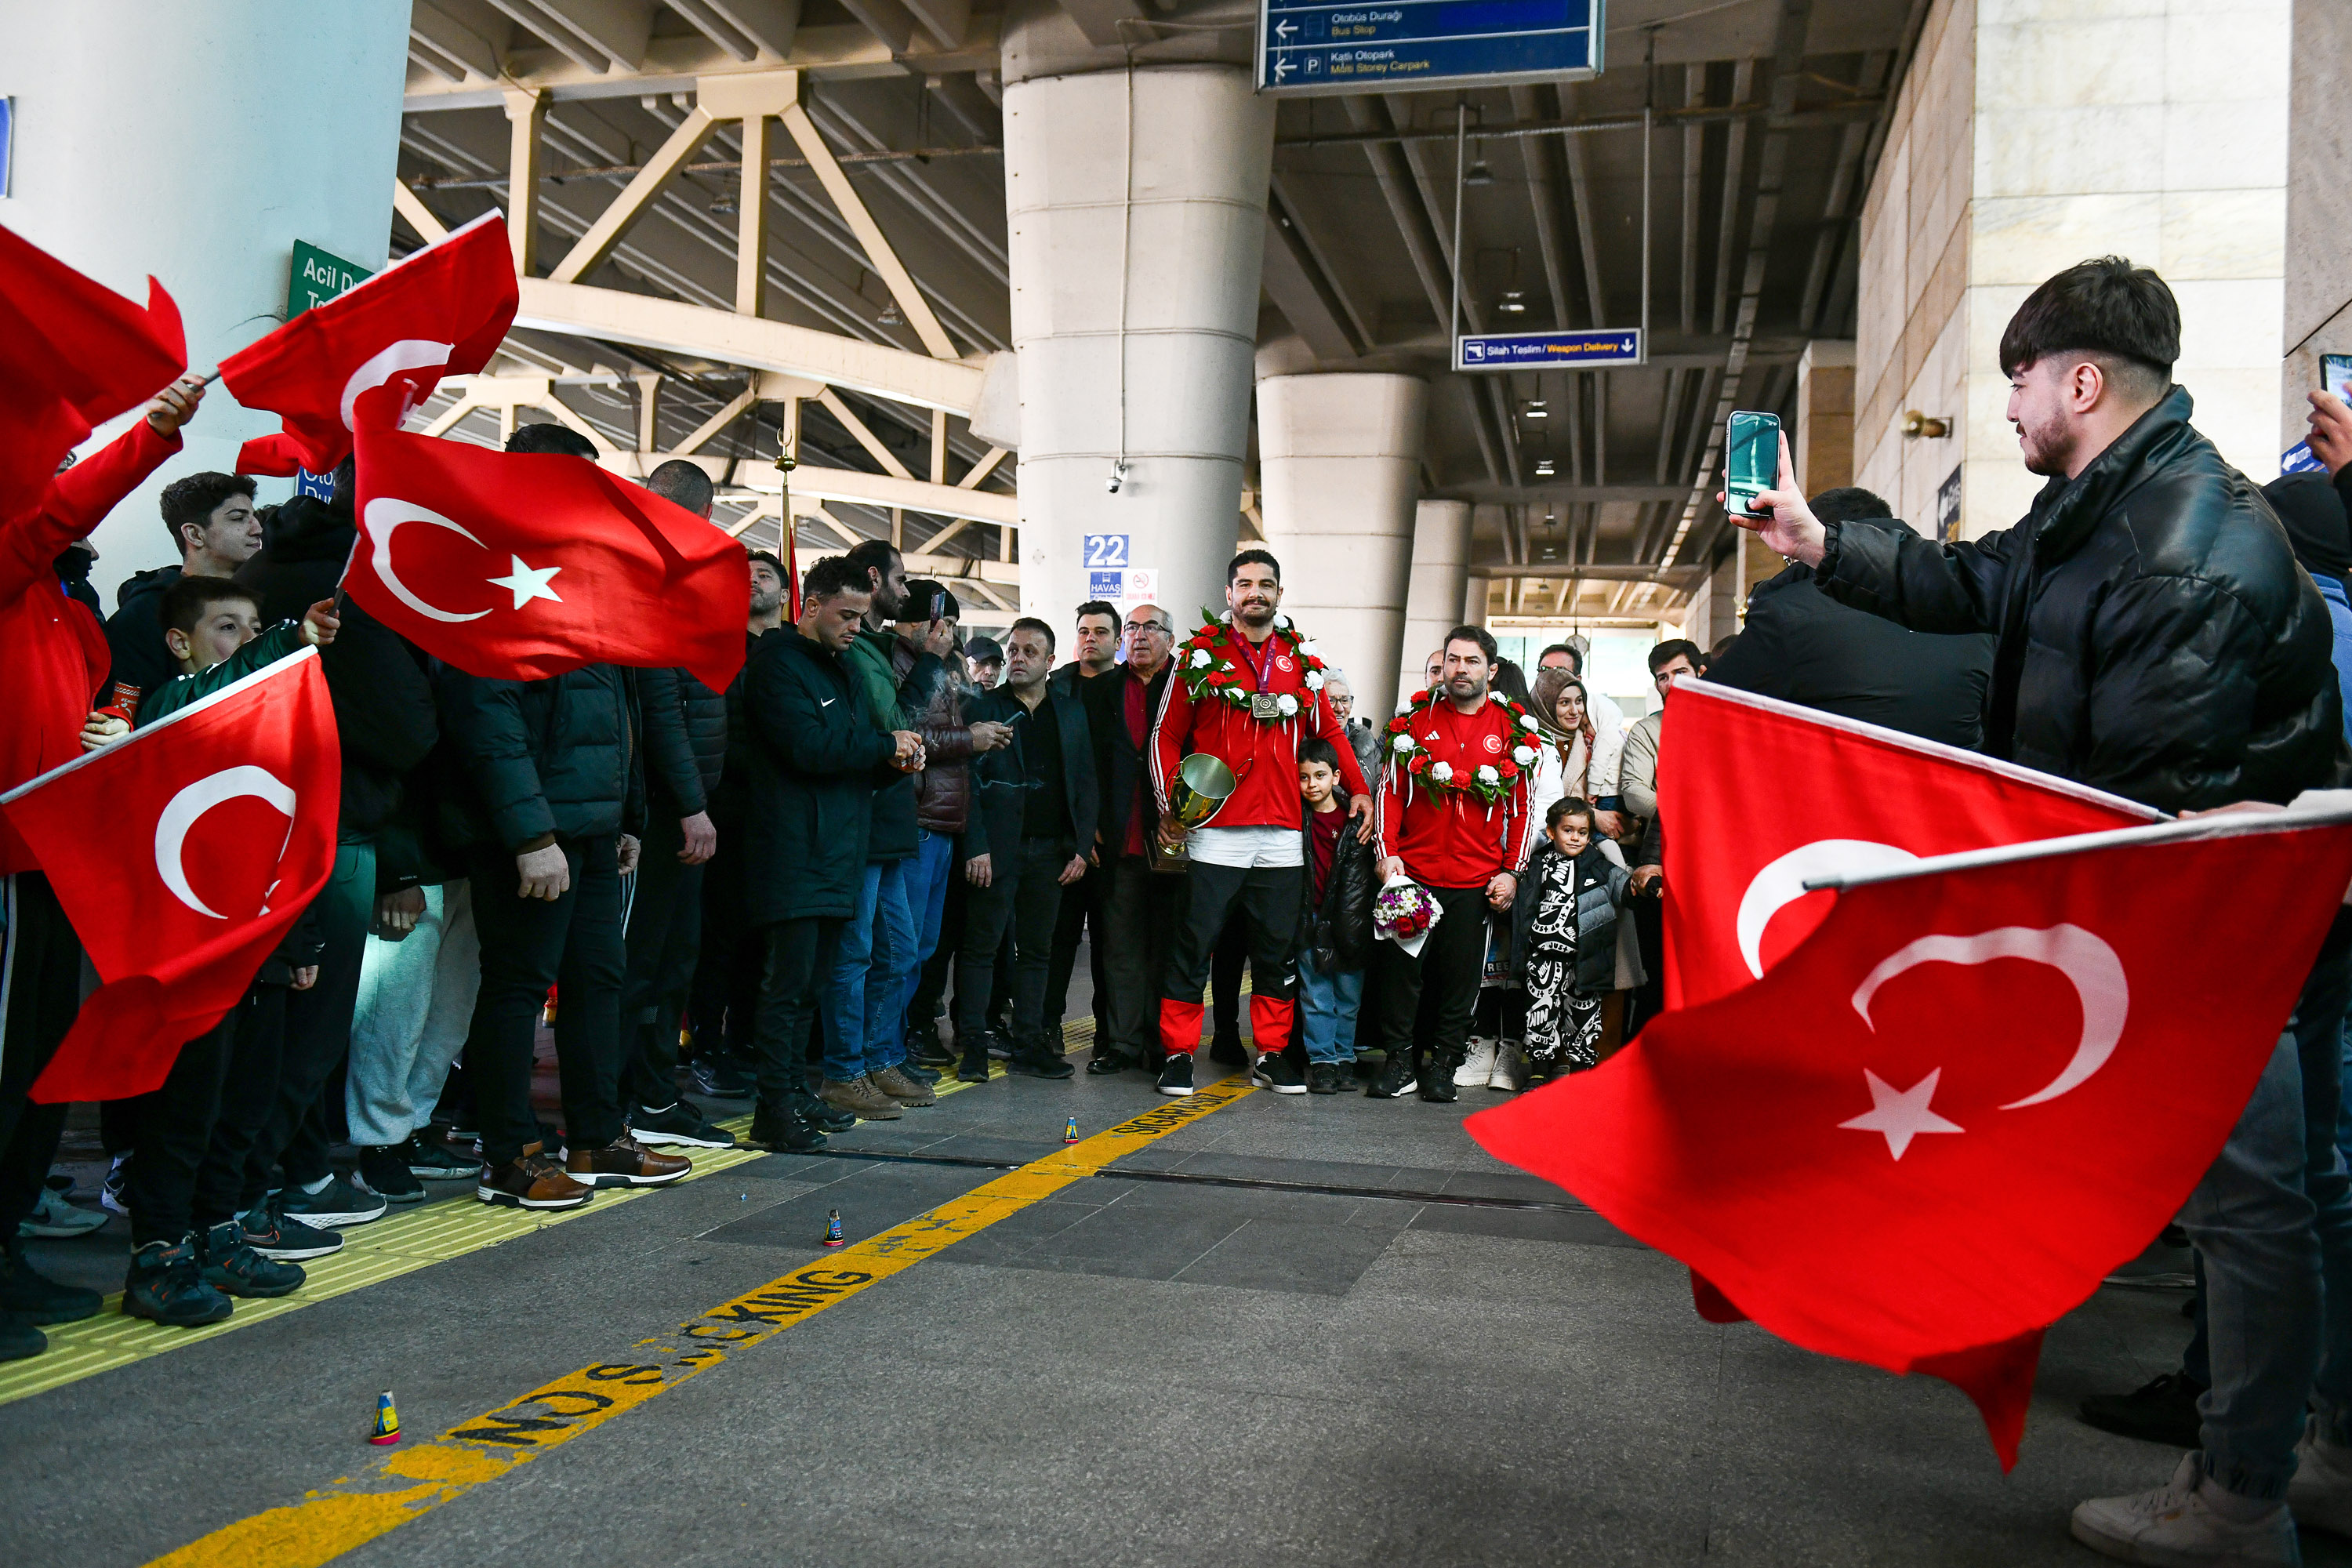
377 350
181 854
1938 1122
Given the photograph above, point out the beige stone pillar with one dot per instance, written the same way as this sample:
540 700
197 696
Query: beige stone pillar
1441 586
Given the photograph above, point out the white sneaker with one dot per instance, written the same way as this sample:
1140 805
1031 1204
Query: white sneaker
2321 1493
114 1193
1479 1064
1510 1074
2188 1524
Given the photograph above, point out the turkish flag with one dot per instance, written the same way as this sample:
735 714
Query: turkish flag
73 354
523 565
379 348
1849 795
1980 1085
182 855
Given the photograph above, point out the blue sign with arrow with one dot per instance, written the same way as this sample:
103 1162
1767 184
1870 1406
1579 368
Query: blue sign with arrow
1311 46
1549 351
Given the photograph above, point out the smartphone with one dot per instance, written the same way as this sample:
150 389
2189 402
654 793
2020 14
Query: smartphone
1751 459
939 605
2335 374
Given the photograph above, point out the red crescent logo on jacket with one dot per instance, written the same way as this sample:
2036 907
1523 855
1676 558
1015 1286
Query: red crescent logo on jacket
1284 663
1494 745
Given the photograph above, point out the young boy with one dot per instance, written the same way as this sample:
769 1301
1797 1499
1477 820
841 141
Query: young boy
1564 943
190 1250
1336 929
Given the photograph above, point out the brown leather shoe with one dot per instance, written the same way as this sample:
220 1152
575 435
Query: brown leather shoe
624 1162
904 1090
861 1097
531 1181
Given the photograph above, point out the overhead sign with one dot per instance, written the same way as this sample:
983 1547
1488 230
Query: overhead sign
1102 551
1549 351
1310 45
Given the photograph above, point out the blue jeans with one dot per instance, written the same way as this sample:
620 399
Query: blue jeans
1327 1010
865 997
927 900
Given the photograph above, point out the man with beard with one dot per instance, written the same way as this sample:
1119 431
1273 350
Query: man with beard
1246 692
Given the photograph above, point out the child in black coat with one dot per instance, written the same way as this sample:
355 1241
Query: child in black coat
1336 923
1564 941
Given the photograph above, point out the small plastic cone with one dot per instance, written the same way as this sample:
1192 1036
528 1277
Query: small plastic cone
387 1420
1070 1133
833 1236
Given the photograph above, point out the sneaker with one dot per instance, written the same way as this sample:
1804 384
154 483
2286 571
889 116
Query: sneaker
721 1079
1509 1074
2163 1411
910 1069
1043 1059
1437 1083
232 1267
861 1097
678 1124
19 1340
782 1132
385 1170
274 1235
24 1289
2321 1493
2188 1521
337 1205
429 1157
1477 1062
624 1162
166 1284
530 1181
905 1090
1226 1051
973 1068
114 1191
999 1043
54 1216
1176 1074
930 1051
818 1114
1323 1078
1275 1070
1396 1079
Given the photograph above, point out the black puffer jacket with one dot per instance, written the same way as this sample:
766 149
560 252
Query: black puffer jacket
541 760
383 704
811 766
1601 887
1337 928
2155 637
685 741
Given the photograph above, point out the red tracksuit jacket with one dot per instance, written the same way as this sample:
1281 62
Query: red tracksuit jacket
1451 838
1264 757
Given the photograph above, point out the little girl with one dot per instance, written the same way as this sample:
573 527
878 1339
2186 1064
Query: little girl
1564 941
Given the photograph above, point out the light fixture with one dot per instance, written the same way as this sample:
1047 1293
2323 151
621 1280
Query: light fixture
1512 303
1917 426
891 317
1479 175
1537 408
723 205
1544 471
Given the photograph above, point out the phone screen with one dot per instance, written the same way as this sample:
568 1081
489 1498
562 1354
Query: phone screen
2335 374
1751 459
939 605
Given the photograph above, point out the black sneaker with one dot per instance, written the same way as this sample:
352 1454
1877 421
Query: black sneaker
166 1284
1040 1060
1438 1084
999 1044
1396 1079
39 1299
19 1340
930 1051
2163 1411
385 1172
273 1235
681 1123
1176 1075
818 1114
721 1079
434 1159
1225 1050
974 1069
1275 1070
782 1132
1323 1078
231 1265
916 1070
335 1205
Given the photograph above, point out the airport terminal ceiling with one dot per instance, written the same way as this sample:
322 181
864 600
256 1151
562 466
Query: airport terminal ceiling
1766 116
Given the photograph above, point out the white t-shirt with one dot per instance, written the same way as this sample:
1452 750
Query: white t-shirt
1247 847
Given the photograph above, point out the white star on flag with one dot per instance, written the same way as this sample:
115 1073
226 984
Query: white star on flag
528 582
1901 1114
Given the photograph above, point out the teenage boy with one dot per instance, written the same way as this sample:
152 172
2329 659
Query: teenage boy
1337 928
214 526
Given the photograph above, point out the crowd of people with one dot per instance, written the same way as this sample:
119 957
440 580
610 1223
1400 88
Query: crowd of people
873 859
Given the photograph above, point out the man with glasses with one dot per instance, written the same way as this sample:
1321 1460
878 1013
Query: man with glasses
1637 785
1095 656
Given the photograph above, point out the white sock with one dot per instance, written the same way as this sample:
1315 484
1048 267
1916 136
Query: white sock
317 1186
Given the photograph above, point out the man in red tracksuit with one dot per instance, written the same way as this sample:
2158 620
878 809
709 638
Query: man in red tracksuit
1466 844
55 657
1247 691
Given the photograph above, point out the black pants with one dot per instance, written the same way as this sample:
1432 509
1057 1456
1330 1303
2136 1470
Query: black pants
40 978
1025 896
730 954
249 1088
1447 971
1649 998
172 1129
1226 980
293 1135
529 944
799 957
1141 910
665 934
1264 901
1081 911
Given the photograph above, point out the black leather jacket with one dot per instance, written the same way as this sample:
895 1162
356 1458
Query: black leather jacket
1337 928
2155 637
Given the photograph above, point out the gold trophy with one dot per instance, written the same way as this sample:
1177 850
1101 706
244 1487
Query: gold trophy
1204 783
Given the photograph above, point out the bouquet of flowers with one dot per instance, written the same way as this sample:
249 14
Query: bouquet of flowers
1403 912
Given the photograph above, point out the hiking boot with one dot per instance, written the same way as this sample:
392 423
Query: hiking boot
1323 1078
1040 1059
429 1157
232 1267
385 1170
1397 1078
41 1300
681 1123
166 1284
1277 1071
54 1214
894 1082
1176 1074
2162 1411
1437 1083
2190 1520
624 1162
973 1068
530 1181
778 1130
861 1097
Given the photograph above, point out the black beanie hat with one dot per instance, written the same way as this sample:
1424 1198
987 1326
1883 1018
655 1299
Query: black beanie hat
2313 514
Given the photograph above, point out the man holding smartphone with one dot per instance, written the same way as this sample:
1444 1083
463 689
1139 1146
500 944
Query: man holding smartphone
2155 639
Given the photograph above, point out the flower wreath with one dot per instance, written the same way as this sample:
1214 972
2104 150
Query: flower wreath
1210 673
1490 782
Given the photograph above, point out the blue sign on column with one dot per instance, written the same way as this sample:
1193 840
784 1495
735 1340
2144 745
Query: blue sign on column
1312 46
1549 351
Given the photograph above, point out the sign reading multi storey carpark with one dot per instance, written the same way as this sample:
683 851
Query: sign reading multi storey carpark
1311 46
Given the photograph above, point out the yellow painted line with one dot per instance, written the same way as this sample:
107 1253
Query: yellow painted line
408 1481
402 1242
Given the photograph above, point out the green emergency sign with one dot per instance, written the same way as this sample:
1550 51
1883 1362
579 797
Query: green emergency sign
317 276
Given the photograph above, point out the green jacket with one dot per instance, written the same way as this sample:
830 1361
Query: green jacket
279 642
867 663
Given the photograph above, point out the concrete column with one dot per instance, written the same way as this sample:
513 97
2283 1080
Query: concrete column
1136 206
1339 466
1442 584
197 143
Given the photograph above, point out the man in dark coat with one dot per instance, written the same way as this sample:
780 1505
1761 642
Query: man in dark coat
2156 639
814 760
1141 908
1802 646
